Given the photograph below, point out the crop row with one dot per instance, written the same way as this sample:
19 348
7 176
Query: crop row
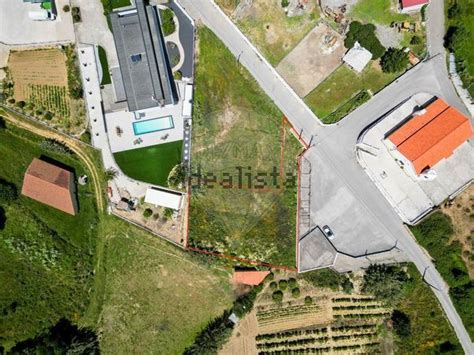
358 336
321 350
291 310
353 300
291 343
51 98
362 315
350 328
351 308
291 333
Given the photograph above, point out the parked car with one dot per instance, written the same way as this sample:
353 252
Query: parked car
328 232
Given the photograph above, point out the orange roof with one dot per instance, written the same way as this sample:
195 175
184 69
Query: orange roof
432 136
251 278
51 185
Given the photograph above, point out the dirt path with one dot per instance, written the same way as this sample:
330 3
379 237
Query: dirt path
76 146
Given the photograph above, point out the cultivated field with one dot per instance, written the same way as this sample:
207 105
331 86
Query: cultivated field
268 27
313 59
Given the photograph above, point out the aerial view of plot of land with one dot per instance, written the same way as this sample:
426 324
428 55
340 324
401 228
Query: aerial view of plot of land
238 135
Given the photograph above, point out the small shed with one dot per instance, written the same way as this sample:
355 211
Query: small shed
357 57
163 197
251 278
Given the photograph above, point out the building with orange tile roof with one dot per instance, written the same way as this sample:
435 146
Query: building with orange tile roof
431 135
251 278
51 185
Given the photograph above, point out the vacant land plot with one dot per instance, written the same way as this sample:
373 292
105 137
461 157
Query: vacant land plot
46 256
268 27
313 59
239 144
156 297
342 85
383 12
150 164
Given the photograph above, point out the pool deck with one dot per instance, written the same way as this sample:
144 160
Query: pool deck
121 134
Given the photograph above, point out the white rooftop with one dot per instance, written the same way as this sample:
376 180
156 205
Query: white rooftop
357 57
164 198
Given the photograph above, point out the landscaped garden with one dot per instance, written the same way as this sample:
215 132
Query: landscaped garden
105 66
150 164
238 141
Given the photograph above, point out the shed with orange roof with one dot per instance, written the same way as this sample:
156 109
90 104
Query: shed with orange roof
251 278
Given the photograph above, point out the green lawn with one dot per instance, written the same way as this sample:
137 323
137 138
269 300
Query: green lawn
46 256
105 66
341 86
110 5
236 125
429 326
150 164
434 234
156 298
377 12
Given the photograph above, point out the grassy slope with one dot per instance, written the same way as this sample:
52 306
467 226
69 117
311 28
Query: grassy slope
429 327
150 164
341 85
236 124
434 234
157 297
45 255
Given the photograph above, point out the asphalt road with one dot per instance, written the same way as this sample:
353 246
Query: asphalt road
343 185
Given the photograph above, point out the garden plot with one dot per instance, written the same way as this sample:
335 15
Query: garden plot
313 59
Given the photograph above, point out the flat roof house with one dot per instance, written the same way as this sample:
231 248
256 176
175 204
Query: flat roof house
431 135
51 185
143 59
412 5
357 57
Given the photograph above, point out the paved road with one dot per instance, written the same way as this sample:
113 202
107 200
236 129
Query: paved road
341 186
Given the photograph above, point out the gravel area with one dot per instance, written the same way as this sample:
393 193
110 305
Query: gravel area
389 37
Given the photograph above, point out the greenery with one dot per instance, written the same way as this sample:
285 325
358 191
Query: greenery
346 87
244 303
415 40
385 282
46 256
434 233
147 213
377 12
394 60
273 285
150 164
285 3
73 73
105 66
283 285
327 278
8 191
308 301
167 21
110 5
295 292
365 35
401 323
277 296
177 177
111 174
458 40
66 8
292 283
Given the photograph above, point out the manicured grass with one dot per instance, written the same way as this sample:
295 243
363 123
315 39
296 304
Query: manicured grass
46 256
110 5
434 234
377 12
150 164
157 298
341 86
236 125
105 66
430 330
168 26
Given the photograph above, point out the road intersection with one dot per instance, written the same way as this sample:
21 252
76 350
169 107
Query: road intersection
342 194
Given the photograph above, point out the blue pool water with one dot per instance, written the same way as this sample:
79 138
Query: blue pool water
153 125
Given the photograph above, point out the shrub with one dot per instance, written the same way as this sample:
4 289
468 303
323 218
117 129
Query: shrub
284 3
66 8
20 104
147 213
365 35
308 301
11 101
401 323
168 213
384 282
167 21
177 176
3 124
48 116
8 191
270 277
292 283
394 60
111 174
277 296
244 304
423 12
177 75
415 40
54 146
273 285
283 285
454 11
295 292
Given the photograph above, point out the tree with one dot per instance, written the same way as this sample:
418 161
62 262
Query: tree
277 296
273 285
8 191
365 35
111 174
177 176
20 104
283 285
384 282
295 292
394 60
147 213
284 3
66 8
292 283
308 301
401 324
415 40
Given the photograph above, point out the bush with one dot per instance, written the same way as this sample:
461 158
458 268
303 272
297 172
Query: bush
147 213
11 101
8 191
454 11
384 282
365 35
66 8
277 296
244 304
55 146
283 285
394 60
296 292
48 116
167 21
270 277
273 285
308 301
415 40
401 324
168 213
284 3
177 176
20 104
292 283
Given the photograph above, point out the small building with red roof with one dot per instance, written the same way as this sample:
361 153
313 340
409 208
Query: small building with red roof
251 278
51 185
412 5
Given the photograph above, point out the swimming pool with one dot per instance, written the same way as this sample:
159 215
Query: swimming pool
153 125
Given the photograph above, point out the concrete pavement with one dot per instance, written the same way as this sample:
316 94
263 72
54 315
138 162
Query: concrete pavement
366 223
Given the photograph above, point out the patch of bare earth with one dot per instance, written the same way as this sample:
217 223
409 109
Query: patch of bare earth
462 216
